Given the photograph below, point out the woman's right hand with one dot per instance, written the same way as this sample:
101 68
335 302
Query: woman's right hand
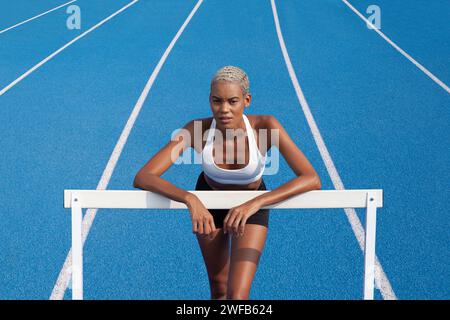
202 219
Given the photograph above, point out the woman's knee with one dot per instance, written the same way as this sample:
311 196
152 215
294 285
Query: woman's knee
218 288
238 294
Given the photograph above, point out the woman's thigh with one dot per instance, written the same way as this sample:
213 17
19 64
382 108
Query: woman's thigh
246 251
216 255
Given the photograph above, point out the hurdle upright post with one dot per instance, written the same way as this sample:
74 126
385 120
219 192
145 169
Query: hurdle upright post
369 246
77 248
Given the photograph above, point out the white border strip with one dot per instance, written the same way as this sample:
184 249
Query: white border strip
35 17
23 76
64 276
358 230
396 47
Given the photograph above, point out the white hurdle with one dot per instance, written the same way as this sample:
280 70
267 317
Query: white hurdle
77 200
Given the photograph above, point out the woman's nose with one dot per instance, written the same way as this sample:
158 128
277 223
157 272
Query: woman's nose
224 107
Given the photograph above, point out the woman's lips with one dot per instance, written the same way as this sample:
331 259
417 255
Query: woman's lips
225 120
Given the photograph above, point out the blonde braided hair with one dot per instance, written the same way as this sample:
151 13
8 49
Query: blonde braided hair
233 74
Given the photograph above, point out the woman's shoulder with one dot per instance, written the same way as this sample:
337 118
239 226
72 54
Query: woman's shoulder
194 124
262 121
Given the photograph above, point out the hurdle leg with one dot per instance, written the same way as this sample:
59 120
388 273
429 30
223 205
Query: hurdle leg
77 249
369 247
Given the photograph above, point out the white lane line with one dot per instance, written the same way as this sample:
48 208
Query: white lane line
23 76
403 52
64 275
35 17
380 277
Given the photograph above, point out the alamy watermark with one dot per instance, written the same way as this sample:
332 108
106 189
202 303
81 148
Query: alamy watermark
74 19
374 18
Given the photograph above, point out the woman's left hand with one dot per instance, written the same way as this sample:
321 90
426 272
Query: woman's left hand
234 222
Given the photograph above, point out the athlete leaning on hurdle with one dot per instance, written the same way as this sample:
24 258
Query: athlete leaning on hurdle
230 273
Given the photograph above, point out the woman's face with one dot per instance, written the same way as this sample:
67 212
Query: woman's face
227 103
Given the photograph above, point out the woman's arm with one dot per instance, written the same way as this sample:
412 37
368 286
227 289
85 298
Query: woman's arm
148 177
307 178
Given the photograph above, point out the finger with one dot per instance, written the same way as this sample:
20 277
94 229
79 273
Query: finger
236 223
228 215
212 228
212 224
225 221
206 227
200 227
194 226
229 223
242 226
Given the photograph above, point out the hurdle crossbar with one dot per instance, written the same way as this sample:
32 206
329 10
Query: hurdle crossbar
77 200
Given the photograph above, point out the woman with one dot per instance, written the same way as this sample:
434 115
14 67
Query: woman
230 274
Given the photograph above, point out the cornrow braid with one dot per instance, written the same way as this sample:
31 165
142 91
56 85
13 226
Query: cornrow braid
233 74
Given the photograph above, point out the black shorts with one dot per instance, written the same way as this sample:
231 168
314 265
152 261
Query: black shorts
261 217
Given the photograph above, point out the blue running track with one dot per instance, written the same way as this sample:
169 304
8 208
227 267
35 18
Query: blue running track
384 121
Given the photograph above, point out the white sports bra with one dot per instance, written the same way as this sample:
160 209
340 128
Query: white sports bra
250 173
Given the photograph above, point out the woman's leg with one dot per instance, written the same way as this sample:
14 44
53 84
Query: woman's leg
217 260
245 253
